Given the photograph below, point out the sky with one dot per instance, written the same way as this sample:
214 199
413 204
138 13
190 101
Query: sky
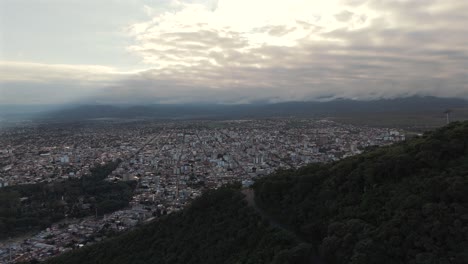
230 51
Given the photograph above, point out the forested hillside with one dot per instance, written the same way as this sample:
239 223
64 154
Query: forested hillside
406 203
217 228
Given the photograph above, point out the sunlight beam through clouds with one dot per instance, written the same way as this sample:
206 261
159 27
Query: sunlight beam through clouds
246 50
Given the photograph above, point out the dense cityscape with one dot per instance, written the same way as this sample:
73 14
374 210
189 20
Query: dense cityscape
171 163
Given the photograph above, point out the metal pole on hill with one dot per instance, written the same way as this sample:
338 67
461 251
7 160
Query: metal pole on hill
447 114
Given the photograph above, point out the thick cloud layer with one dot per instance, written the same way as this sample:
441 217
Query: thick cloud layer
239 51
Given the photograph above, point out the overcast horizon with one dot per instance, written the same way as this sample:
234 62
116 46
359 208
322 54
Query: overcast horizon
230 51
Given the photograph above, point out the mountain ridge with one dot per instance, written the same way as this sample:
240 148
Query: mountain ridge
428 105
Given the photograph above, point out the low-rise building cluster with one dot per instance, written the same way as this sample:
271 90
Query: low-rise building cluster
172 162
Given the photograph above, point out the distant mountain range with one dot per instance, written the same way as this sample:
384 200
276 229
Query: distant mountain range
342 107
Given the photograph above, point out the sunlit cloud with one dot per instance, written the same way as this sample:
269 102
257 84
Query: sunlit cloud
241 51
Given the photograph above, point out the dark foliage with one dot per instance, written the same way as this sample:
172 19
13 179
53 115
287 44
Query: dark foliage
217 228
406 203
28 207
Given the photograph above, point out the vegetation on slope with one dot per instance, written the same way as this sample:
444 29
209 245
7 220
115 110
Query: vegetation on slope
28 207
406 203
217 228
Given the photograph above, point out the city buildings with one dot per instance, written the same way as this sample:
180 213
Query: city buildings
172 162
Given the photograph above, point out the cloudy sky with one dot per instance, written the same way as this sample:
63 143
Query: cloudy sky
230 51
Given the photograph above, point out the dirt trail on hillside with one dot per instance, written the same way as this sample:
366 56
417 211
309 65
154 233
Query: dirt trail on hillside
250 199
